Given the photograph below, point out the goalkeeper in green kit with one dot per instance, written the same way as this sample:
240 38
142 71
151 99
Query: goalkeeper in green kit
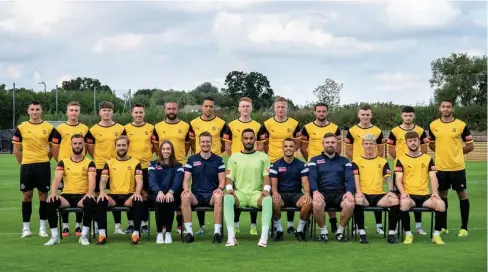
248 185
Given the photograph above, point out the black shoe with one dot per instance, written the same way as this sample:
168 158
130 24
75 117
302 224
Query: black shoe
78 231
323 238
129 230
333 227
217 238
301 236
341 238
144 229
291 230
189 238
392 239
363 239
102 241
278 236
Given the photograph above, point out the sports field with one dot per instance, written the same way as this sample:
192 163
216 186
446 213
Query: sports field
458 254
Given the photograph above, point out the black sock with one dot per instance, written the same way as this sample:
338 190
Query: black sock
201 218
290 216
418 217
333 221
359 215
137 210
438 220
101 214
117 217
237 215
65 217
179 220
405 220
42 210
377 216
52 211
79 217
130 216
145 214
464 207
444 216
393 217
26 211
89 208
254 217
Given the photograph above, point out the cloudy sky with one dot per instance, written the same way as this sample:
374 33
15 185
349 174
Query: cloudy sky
380 51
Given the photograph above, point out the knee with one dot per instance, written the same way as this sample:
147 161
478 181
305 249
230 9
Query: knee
185 200
462 195
27 197
349 206
404 205
318 206
359 200
218 199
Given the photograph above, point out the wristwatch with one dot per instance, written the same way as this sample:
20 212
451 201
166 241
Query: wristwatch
221 188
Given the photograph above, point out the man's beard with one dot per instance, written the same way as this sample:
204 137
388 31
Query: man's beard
330 150
171 116
248 147
121 153
447 114
77 151
413 149
321 118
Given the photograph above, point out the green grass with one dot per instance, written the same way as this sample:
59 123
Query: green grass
459 254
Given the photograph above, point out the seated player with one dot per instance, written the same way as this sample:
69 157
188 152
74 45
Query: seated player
288 174
165 179
125 175
207 173
369 173
78 173
248 170
412 172
332 183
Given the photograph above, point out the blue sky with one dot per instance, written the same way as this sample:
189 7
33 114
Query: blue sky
380 51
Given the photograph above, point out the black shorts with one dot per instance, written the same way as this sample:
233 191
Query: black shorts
120 199
373 199
203 199
35 176
452 179
419 200
290 199
145 180
97 181
73 199
333 198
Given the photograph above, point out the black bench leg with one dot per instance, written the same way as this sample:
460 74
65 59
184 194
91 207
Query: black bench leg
60 224
432 215
384 222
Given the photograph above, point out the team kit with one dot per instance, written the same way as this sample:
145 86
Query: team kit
262 172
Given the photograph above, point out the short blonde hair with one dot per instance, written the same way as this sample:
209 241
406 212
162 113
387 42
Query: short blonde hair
369 137
247 99
280 99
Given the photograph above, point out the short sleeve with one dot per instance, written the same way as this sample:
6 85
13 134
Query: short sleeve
223 130
431 134
189 165
106 170
155 136
423 138
349 138
92 167
305 135
60 166
56 137
138 170
266 167
50 138
355 169
379 139
273 171
338 133
386 170
466 135
221 168
297 132
227 134
263 134
304 172
392 138
89 139
191 133
432 167
17 138
398 167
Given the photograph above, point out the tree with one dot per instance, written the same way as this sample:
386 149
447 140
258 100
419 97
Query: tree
148 92
329 92
84 84
253 85
206 87
460 78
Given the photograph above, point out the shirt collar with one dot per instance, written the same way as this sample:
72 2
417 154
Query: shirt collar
328 158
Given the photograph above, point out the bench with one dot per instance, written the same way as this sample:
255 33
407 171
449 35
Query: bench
314 224
421 210
372 209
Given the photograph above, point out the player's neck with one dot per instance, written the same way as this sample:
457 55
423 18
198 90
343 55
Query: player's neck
288 159
245 119
35 121
106 123
245 151
205 118
414 153
281 119
77 157
124 158
72 122
364 125
321 123
205 155
330 155
407 126
174 121
369 155
138 124
447 119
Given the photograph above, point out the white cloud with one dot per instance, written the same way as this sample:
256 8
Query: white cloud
59 82
37 76
205 6
398 81
14 71
118 43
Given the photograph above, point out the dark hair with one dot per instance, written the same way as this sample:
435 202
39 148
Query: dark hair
447 100
205 134
412 135
122 137
209 98
329 134
320 105
172 156
288 140
408 109
34 102
76 136
247 130
137 105
365 107
106 105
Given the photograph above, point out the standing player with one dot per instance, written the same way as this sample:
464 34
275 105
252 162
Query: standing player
233 144
249 172
178 133
354 148
311 143
369 173
100 139
332 183
31 140
140 133
207 173
79 175
447 135
272 134
397 147
413 171
125 175
288 175
62 138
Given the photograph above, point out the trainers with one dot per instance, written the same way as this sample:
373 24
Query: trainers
262 242
160 238
129 230
43 233
323 238
462 233
392 239
253 230
421 231
363 239
168 239
437 239
291 230
84 241
380 230
26 233
78 232
232 243
408 240
144 229
102 240
278 236
189 238
53 241
65 232
118 230
301 236
341 238
217 239
201 230
134 239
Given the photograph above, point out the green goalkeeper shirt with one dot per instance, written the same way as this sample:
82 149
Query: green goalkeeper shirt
247 170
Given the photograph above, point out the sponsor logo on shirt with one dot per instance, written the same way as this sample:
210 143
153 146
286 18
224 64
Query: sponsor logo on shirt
320 161
282 169
197 163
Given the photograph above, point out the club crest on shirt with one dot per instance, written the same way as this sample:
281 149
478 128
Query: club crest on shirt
116 134
282 169
197 163
320 161
214 128
44 131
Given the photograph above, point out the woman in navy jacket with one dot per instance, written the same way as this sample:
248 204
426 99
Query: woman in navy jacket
165 184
